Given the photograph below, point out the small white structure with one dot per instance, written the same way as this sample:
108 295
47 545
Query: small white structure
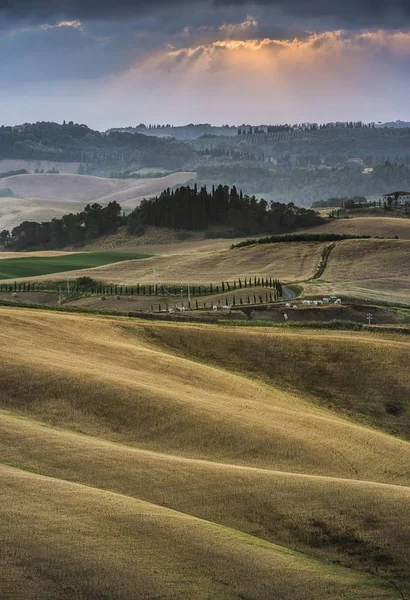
226 307
215 307
338 301
285 316
288 305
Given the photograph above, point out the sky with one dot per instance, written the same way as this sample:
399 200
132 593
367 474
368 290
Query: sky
111 63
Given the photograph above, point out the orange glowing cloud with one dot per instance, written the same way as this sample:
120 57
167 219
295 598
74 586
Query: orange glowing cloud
324 76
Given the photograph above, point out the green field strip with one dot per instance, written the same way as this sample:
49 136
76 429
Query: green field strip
13 268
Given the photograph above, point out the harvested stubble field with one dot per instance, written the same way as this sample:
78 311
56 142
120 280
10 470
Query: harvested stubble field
150 460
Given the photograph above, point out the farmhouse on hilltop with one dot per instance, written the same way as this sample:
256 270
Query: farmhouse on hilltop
399 197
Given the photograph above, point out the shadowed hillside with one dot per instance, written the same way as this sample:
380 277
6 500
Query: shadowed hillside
257 468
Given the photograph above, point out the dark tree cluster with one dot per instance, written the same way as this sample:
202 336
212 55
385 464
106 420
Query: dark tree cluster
71 230
197 209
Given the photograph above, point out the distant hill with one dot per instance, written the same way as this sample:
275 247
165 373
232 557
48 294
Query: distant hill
42 197
395 124
71 142
184 132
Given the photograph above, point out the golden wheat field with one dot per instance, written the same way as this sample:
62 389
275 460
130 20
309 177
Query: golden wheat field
160 460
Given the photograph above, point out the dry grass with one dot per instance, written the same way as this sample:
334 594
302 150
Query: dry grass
132 408
99 378
34 254
374 226
286 262
362 375
370 269
71 540
159 240
320 516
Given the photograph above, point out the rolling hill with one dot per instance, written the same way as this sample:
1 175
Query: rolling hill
367 269
151 461
373 226
43 196
189 265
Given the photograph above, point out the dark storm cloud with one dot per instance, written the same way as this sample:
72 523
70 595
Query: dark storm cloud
351 13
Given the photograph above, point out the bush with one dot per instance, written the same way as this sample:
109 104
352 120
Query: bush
300 237
86 282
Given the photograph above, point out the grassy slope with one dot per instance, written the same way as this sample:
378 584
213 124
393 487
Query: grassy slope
334 514
364 375
280 261
374 226
370 269
32 266
120 548
115 381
